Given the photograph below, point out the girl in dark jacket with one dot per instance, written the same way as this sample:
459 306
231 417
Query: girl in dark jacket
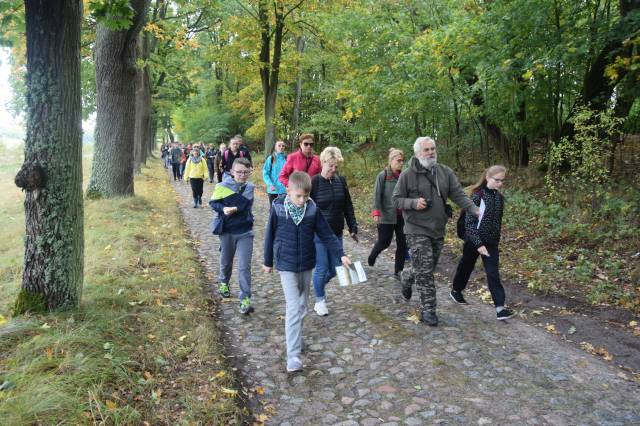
331 194
388 219
482 236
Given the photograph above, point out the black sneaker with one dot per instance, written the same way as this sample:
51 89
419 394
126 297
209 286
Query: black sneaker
504 314
371 260
430 318
406 287
457 297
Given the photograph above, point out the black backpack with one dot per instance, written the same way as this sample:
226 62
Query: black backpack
460 228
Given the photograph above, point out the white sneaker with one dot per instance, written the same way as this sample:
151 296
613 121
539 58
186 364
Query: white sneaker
321 308
294 365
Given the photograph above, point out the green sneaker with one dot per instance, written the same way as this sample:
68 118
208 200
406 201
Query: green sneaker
223 289
245 305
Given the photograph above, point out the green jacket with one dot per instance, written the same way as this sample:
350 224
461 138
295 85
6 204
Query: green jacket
413 184
382 203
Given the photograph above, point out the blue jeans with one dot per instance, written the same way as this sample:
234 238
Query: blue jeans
326 263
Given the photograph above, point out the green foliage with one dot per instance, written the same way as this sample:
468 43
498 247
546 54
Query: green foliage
113 14
586 156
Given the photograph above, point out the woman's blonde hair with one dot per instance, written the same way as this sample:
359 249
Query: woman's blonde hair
489 172
393 153
331 153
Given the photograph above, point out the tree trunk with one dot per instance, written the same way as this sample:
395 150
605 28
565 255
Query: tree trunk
51 175
115 57
270 67
143 106
295 122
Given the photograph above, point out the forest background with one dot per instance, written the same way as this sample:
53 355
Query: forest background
550 88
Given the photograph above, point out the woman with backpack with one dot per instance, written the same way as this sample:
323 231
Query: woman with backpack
481 238
271 171
389 219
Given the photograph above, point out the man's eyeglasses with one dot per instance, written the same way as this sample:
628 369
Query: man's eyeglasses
242 173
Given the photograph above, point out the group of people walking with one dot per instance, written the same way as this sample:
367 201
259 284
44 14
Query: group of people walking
310 204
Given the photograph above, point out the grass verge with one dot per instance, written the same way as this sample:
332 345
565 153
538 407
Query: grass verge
142 349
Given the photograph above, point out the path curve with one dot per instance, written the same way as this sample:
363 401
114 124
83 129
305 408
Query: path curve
367 364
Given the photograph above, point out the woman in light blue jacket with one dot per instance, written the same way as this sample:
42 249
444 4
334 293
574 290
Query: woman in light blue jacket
271 170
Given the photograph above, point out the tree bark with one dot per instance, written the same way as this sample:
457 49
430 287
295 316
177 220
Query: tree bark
115 56
51 175
295 122
143 106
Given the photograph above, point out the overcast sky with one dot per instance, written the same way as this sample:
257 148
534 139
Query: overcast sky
6 119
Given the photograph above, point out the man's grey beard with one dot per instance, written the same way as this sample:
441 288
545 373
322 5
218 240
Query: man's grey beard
428 163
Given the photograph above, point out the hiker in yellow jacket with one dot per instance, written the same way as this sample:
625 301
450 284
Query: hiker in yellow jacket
196 172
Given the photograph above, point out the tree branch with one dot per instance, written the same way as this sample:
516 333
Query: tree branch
253 14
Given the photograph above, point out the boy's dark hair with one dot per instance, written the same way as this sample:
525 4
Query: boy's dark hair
241 161
300 180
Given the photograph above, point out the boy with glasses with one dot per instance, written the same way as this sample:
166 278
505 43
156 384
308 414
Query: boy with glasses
232 200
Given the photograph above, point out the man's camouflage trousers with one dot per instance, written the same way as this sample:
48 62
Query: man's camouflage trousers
425 252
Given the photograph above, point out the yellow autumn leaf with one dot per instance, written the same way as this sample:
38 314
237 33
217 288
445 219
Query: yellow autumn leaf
3 320
631 323
414 318
229 391
107 248
220 374
259 390
551 328
111 405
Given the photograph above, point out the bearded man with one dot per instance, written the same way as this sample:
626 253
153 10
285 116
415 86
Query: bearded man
421 193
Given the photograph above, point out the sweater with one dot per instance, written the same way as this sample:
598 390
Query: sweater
292 245
413 184
197 170
488 234
382 203
271 172
228 193
297 161
334 201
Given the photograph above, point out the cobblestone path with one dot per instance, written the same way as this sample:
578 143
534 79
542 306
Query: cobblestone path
367 364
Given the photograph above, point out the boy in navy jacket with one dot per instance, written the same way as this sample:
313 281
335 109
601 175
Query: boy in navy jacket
232 200
293 221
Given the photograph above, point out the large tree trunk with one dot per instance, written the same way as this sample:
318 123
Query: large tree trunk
143 107
295 122
115 57
52 172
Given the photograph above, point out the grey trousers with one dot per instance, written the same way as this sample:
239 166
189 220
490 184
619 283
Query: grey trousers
242 244
296 295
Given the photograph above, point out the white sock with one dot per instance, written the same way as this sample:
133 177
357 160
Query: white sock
499 309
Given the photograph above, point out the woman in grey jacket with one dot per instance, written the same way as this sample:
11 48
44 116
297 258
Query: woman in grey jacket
388 219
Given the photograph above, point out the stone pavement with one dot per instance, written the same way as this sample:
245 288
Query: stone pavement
367 363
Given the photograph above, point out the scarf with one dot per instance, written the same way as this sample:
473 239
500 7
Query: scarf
196 159
296 213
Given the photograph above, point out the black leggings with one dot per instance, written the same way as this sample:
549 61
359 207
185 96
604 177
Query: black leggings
491 267
385 235
176 170
196 187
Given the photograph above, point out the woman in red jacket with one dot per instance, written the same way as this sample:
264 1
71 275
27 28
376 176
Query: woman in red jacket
303 160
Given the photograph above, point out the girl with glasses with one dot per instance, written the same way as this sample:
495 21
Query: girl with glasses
481 238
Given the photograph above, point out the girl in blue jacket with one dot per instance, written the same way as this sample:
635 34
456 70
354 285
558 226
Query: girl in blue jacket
271 170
